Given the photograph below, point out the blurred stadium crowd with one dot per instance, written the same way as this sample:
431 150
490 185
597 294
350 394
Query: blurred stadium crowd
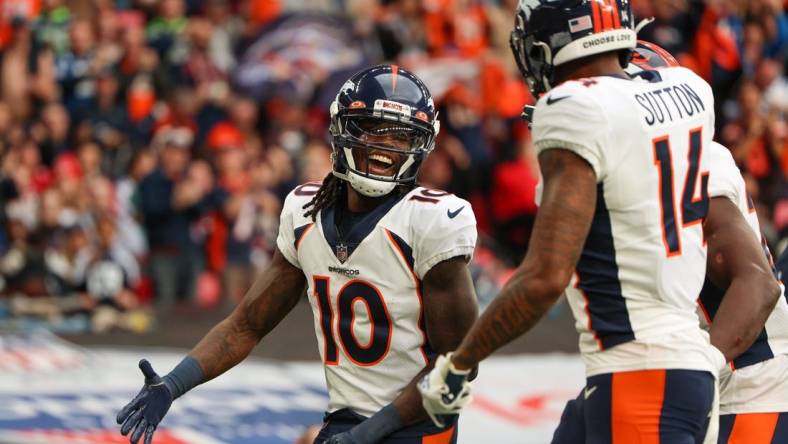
146 146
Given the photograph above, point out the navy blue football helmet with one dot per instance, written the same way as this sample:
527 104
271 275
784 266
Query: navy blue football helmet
548 33
383 125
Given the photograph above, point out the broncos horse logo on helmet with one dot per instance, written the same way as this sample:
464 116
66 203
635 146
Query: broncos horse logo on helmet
383 125
549 33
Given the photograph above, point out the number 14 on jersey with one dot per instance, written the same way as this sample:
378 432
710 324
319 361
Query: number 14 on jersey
693 209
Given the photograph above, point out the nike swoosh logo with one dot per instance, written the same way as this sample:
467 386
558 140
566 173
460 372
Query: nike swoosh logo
589 391
551 99
453 214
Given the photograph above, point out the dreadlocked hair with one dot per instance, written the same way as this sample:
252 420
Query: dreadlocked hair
327 195
332 189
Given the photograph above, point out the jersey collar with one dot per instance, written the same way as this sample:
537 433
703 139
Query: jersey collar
343 247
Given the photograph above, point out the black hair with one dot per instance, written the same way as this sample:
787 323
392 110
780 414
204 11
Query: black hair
333 189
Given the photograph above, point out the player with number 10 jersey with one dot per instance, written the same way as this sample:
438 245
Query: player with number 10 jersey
365 289
383 263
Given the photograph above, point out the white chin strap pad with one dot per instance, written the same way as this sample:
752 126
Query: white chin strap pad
369 187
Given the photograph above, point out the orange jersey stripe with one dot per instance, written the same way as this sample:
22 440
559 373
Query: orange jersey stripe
753 428
588 313
636 406
439 438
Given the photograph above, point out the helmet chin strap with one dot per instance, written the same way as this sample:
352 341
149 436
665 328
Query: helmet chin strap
369 187
548 60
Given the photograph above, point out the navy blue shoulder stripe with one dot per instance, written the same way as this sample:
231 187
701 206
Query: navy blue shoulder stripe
597 271
299 234
404 248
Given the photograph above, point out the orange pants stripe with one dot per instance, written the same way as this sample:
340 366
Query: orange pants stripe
444 437
753 428
637 406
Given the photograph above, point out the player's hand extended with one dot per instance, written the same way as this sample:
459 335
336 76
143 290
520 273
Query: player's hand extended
445 390
146 410
344 438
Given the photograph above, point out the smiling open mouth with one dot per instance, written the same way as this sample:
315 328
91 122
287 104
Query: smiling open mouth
380 163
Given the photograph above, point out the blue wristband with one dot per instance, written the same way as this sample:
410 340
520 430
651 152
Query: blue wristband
184 377
378 426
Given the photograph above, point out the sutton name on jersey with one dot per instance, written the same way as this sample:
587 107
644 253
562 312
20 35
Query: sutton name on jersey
684 102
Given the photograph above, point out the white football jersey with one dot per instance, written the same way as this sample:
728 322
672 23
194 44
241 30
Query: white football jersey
365 289
641 269
736 395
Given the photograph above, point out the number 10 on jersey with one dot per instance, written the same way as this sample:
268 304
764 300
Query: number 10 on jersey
693 209
377 345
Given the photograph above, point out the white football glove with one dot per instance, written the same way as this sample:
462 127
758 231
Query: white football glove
445 390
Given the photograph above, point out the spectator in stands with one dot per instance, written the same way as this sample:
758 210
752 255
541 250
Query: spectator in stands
230 242
107 112
77 68
52 26
55 124
111 271
172 198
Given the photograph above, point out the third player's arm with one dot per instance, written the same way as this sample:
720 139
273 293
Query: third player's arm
736 262
265 304
560 230
449 311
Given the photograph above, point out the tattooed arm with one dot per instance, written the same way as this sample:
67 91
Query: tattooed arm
271 297
267 302
560 230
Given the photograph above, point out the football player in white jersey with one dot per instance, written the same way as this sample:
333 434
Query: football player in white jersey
618 230
754 388
384 266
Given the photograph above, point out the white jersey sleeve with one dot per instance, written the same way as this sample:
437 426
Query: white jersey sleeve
285 241
292 223
570 118
443 230
725 179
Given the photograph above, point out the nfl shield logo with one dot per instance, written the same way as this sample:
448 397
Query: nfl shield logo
341 252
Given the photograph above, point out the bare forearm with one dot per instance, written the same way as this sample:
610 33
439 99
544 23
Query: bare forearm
223 347
266 303
518 307
408 403
736 263
740 317
561 227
